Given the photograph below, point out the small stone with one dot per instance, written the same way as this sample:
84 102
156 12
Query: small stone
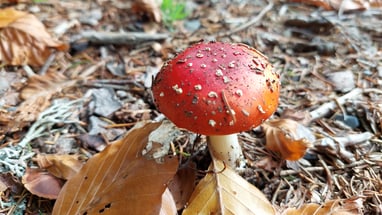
342 81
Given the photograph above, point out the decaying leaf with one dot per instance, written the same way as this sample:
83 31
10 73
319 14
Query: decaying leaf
61 166
333 207
36 95
24 39
118 180
151 8
42 183
222 191
287 137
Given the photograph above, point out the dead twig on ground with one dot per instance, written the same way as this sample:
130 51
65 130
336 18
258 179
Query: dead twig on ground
324 109
250 22
126 38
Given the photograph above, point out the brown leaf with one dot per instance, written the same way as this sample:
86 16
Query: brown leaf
41 183
9 181
222 191
118 180
37 94
168 206
182 185
61 166
24 39
333 207
287 137
151 8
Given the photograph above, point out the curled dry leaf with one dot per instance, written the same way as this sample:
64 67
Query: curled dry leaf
351 206
150 8
61 166
222 191
287 137
118 180
24 39
42 183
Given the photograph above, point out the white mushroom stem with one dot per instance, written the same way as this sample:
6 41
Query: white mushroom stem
227 149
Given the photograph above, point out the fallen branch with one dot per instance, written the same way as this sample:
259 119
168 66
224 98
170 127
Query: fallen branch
250 22
126 38
326 108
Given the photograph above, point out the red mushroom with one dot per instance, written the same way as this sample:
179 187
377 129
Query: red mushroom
218 89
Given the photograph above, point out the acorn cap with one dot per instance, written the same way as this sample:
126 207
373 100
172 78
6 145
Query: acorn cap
216 88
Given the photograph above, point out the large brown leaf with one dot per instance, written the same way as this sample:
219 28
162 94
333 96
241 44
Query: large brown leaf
24 39
222 191
118 180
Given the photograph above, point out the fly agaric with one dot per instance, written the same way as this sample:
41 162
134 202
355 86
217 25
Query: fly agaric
218 89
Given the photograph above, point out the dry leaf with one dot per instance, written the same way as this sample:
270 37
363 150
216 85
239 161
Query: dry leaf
37 94
182 185
333 207
118 180
24 39
11 182
61 166
168 206
287 137
41 183
151 8
222 191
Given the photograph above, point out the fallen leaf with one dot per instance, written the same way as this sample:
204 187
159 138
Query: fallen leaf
150 8
287 137
183 184
61 166
36 95
168 206
222 191
119 180
333 207
42 183
24 39
11 182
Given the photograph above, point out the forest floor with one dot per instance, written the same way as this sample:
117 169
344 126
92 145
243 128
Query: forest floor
329 61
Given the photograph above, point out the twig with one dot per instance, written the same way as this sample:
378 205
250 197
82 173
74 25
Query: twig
320 168
327 107
128 38
253 21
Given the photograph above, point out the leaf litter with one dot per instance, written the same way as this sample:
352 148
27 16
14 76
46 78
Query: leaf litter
310 43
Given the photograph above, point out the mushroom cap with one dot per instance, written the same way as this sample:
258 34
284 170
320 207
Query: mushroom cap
216 88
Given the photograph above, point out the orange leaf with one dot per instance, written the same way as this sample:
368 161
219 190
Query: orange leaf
222 191
118 180
24 39
287 137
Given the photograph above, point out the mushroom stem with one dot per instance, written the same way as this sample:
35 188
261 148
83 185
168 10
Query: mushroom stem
227 149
